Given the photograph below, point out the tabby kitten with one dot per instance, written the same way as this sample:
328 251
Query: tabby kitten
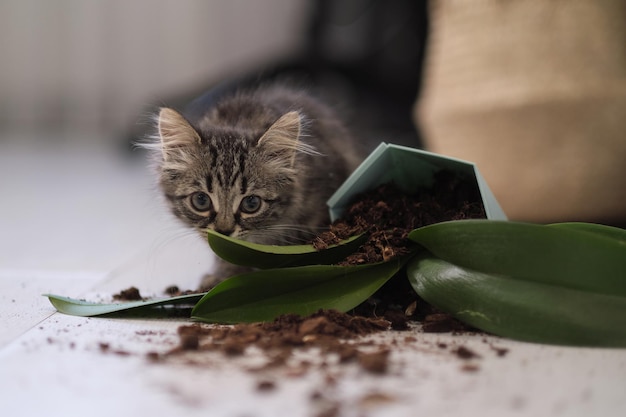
256 165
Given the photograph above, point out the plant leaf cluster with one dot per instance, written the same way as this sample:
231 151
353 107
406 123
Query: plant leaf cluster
561 283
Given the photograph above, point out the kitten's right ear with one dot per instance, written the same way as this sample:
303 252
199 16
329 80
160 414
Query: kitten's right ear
175 132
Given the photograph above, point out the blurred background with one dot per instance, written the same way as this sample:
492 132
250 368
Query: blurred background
83 66
533 92
73 65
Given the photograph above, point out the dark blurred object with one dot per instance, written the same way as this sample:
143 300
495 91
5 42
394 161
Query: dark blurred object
365 56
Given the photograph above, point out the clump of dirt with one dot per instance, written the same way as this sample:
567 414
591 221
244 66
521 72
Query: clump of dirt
387 215
443 323
464 352
330 331
175 291
375 362
129 294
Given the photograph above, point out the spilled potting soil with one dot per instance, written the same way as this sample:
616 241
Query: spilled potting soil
387 216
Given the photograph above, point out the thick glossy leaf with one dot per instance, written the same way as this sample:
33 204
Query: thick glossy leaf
255 255
519 309
609 232
263 295
166 307
580 257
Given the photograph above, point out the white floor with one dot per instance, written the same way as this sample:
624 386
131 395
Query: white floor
84 222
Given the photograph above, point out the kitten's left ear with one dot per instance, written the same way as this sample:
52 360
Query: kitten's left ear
281 139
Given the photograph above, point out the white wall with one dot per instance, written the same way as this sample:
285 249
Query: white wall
94 64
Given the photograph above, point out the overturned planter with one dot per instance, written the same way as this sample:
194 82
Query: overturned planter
409 169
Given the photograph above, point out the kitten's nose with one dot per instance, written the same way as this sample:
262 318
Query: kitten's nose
226 232
225 224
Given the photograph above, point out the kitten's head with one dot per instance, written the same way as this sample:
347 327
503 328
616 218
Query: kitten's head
238 182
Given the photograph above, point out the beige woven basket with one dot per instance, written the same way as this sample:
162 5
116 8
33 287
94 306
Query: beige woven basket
534 93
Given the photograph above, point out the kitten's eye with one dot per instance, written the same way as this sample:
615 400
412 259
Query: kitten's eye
201 201
250 204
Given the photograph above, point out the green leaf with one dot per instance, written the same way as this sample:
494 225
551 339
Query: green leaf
255 255
519 309
264 295
582 257
609 232
165 307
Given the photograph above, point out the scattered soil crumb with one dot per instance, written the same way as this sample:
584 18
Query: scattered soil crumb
189 339
265 386
333 409
470 367
174 291
501 352
129 294
316 395
442 323
375 399
398 320
465 353
329 331
375 362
